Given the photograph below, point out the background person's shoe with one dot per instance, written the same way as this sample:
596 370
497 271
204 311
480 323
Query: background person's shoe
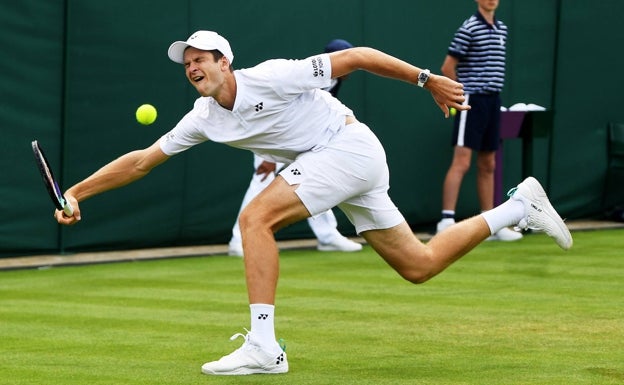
340 243
506 235
235 249
444 224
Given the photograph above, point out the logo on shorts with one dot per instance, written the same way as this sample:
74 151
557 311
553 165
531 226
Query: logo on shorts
295 171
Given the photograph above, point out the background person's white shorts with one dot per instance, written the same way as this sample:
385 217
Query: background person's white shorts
351 173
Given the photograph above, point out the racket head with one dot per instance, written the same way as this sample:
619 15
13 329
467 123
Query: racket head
54 191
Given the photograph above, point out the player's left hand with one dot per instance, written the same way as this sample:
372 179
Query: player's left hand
446 93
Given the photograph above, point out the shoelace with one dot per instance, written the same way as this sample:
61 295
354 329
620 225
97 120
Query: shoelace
281 341
245 336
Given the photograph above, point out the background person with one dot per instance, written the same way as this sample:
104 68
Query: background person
476 58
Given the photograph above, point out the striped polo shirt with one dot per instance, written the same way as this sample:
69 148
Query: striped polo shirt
480 49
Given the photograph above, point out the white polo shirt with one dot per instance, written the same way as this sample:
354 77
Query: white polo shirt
279 112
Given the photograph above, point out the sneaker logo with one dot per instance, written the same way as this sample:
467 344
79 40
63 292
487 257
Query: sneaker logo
263 316
295 171
536 208
259 106
279 359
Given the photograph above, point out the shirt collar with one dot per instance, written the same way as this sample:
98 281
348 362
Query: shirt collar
480 17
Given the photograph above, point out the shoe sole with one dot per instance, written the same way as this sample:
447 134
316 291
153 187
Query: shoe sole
245 371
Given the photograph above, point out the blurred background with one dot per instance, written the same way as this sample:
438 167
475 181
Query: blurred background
72 74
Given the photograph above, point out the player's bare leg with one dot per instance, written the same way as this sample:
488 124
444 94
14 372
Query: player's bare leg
275 207
418 262
528 206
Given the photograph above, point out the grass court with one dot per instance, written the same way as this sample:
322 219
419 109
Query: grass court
507 313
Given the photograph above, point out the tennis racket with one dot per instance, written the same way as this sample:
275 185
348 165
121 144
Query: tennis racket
50 183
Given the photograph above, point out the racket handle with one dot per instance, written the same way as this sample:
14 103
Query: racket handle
68 209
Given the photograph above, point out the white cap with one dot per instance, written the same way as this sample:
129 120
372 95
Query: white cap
204 40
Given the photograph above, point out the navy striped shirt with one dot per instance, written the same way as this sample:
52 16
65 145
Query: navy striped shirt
480 49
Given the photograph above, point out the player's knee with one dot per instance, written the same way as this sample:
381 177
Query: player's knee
251 220
422 270
255 219
417 276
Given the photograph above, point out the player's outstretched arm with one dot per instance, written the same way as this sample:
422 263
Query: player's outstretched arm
120 172
446 92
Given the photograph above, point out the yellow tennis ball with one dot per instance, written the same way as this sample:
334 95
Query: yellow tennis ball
146 114
452 111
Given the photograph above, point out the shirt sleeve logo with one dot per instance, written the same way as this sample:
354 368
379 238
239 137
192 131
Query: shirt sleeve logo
317 67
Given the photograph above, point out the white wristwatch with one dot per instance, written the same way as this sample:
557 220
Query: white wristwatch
423 76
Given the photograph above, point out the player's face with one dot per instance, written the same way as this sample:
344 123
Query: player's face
204 73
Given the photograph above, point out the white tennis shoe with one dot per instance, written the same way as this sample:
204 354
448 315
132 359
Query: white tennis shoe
444 224
235 249
340 243
539 213
505 235
250 358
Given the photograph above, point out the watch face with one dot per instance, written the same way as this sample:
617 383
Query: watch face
423 77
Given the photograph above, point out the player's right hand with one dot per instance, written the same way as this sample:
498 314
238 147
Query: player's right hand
266 168
62 218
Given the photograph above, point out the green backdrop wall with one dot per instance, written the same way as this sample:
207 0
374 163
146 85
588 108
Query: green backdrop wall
73 72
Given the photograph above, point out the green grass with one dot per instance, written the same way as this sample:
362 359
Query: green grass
519 313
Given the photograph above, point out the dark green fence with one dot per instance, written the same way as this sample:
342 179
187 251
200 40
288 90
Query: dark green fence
73 72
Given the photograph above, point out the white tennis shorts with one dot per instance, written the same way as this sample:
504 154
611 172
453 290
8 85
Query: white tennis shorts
349 172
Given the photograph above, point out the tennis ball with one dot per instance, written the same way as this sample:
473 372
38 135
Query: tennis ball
452 111
146 114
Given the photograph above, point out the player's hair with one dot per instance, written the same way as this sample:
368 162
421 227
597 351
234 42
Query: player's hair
217 55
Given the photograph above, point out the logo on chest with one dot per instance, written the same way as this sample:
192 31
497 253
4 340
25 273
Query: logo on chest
259 106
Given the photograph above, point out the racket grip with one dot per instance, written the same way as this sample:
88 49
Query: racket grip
68 209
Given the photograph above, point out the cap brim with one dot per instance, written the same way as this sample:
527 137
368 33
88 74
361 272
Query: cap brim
176 51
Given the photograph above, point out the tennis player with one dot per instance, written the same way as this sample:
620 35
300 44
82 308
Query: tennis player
278 110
